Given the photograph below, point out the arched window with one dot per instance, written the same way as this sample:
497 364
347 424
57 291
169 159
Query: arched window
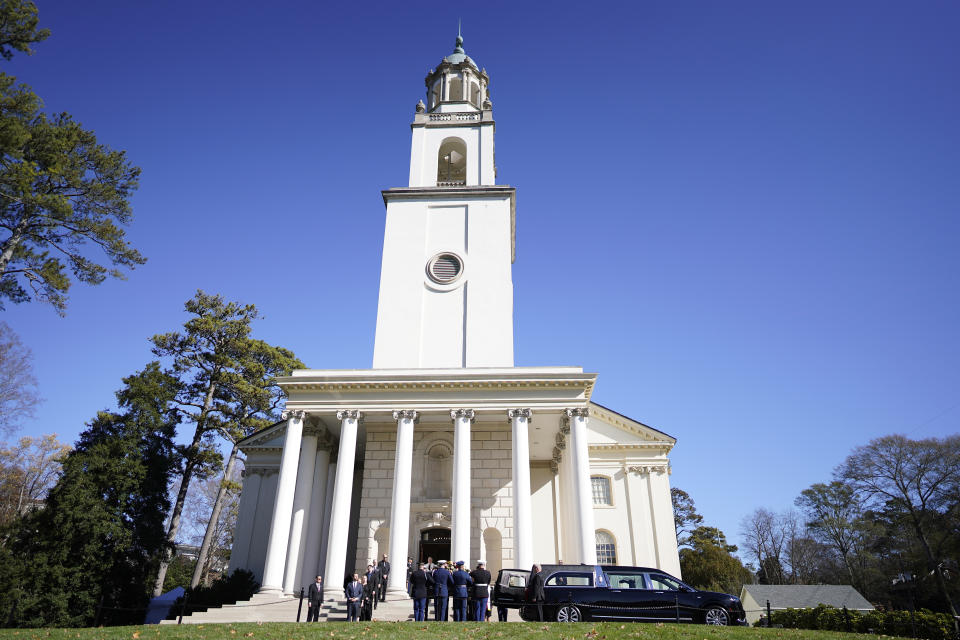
452 163
606 548
439 471
435 94
475 94
456 89
601 490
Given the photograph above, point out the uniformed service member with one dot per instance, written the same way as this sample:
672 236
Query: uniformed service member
442 584
481 590
461 582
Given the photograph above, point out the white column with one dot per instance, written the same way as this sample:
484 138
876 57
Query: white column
307 568
400 506
522 508
299 520
583 502
342 495
460 526
325 527
247 512
280 523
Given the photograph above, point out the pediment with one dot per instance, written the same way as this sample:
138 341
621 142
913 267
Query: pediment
607 427
267 438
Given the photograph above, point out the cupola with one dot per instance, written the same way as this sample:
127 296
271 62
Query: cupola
457 84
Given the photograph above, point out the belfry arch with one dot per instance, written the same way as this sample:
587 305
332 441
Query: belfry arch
452 162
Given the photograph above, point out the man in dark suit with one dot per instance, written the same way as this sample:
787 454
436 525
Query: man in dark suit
418 591
384 567
354 594
314 600
442 583
461 581
373 579
536 590
481 591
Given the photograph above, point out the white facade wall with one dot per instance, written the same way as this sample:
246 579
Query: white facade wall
468 323
425 153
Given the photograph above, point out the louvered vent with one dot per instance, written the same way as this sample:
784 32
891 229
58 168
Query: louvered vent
444 268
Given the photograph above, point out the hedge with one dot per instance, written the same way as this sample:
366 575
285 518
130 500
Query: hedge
929 625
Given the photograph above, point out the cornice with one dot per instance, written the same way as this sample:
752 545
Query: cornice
629 446
631 426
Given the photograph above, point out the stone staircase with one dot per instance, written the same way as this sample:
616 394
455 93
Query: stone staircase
265 607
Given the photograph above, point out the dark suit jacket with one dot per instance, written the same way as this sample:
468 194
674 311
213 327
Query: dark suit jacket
314 594
354 590
536 587
418 584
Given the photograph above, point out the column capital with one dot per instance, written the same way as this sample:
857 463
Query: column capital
295 414
577 412
406 414
519 413
561 441
349 414
456 414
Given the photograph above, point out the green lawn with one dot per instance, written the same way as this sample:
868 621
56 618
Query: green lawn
419 631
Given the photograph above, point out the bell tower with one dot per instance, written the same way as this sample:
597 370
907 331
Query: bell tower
446 289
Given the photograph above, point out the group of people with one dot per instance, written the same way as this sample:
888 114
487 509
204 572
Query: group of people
364 593
440 581
443 581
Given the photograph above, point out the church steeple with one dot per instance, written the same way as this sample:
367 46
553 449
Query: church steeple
446 296
452 142
458 81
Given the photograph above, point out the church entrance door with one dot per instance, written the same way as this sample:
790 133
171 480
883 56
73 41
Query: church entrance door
435 543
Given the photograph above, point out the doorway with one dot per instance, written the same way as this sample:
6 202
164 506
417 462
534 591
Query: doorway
434 543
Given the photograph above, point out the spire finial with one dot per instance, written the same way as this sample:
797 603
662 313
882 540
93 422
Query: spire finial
459 47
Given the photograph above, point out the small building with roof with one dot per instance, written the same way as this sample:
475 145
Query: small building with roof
799 596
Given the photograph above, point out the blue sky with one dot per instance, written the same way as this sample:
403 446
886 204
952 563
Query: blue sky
743 215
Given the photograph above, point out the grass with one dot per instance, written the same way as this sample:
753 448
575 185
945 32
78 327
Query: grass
424 631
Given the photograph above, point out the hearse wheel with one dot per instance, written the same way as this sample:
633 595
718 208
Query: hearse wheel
568 613
716 616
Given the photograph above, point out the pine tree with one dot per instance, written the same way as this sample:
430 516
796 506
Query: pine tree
100 533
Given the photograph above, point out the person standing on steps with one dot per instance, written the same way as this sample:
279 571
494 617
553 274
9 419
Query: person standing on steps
353 593
481 591
418 591
461 582
314 599
366 603
384 567
442 584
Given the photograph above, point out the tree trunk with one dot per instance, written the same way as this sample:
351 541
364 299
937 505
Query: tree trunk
214 519
182 495
933 565
8 247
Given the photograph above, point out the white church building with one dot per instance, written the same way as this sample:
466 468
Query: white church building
444 448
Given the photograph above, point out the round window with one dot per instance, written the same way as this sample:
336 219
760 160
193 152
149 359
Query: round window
445 268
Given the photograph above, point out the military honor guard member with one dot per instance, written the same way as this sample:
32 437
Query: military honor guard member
418 591
442 584
461 582
481 591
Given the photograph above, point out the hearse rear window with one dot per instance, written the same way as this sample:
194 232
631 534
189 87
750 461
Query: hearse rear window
517 581
570 579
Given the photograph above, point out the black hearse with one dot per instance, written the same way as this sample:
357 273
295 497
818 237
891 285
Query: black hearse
574 593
